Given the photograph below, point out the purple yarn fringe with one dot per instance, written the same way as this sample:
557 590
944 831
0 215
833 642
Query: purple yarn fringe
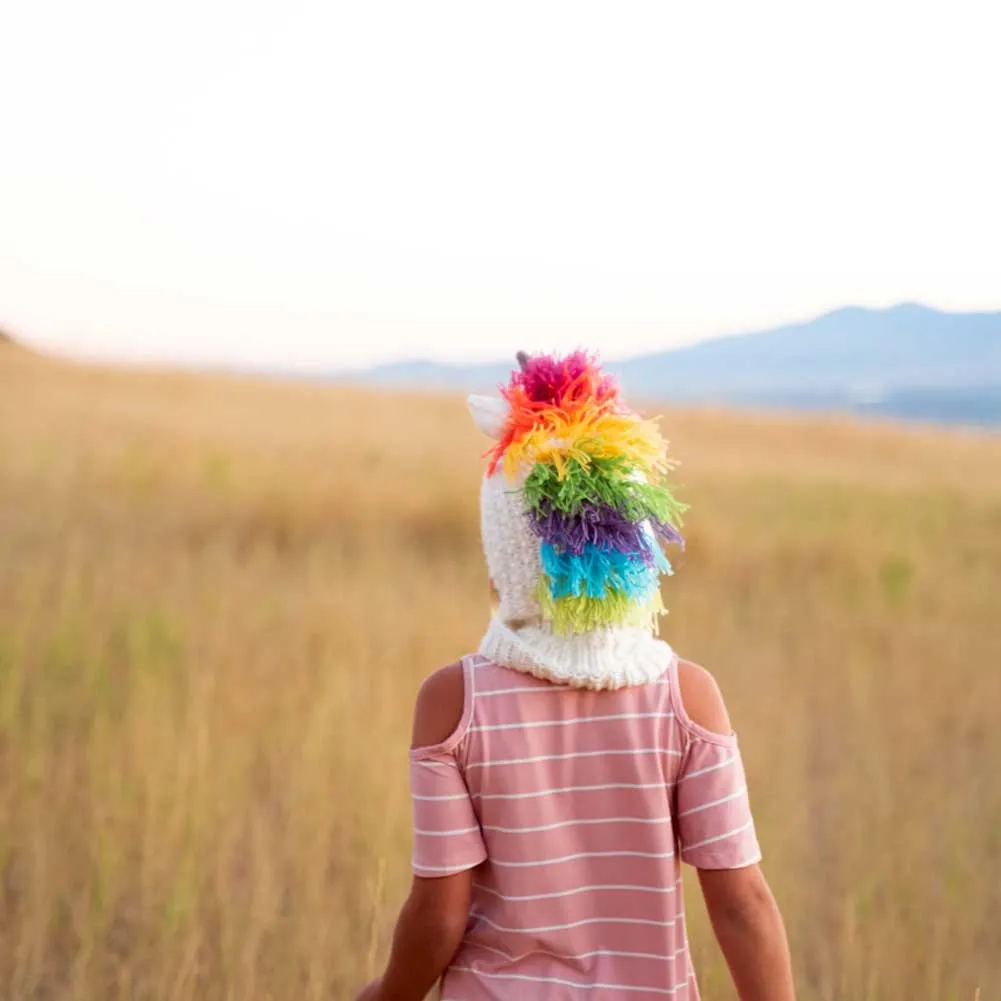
602 526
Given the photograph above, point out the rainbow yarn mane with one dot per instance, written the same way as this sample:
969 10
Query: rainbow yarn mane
595 493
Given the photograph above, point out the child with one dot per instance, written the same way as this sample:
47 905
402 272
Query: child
562 774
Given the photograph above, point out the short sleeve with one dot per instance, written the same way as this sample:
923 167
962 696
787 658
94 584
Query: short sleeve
447 835
714 823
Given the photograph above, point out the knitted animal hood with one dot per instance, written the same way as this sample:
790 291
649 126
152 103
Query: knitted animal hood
574 509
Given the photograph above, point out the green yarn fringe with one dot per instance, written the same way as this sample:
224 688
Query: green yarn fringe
603 481
583 614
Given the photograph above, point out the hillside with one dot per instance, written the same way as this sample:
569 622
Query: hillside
909 361
219 595
12 347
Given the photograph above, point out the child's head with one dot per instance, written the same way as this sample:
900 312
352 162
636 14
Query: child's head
574 504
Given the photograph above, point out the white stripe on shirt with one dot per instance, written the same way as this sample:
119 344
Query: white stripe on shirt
575 891
668 957
522 725
565 789
706 771
446 834
719 837
667 991
580 855
457 867
646 922
573 754
716 802
572 823
526 688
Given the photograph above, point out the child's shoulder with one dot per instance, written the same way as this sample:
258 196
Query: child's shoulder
700 699
440 705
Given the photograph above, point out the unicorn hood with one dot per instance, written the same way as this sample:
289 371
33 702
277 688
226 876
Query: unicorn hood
574 509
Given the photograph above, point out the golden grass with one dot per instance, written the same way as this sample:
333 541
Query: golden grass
217 598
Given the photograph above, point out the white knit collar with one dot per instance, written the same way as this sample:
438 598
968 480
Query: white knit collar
609 658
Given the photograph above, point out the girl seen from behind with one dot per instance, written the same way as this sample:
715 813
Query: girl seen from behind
562 774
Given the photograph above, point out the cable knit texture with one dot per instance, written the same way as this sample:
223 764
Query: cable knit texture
511 548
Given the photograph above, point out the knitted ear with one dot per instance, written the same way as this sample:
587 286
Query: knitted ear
490 414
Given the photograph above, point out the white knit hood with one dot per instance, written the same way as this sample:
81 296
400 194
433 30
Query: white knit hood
519 637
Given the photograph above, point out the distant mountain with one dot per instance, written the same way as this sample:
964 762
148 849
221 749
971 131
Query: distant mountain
908 361
433 375
10 346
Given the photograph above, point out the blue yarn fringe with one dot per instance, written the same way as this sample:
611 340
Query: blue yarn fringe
599 571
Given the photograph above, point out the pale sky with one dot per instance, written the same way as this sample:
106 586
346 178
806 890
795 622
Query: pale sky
312 183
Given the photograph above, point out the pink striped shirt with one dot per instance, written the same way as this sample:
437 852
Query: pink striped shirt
576 808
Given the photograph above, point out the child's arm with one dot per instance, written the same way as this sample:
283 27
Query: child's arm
428 932
433 920
743 912
750 932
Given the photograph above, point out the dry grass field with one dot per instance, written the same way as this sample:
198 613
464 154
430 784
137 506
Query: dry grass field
217 599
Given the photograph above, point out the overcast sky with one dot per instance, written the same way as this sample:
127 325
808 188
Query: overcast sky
312 183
